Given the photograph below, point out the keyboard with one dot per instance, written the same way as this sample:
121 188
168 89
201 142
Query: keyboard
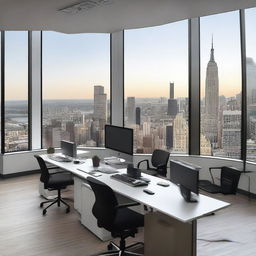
124 178
60 158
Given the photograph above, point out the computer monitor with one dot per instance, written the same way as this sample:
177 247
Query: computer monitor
68 148
187 177
119 139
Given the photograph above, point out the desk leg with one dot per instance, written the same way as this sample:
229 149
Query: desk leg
164 236
194 237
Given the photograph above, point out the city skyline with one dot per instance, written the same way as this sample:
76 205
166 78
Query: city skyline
169 59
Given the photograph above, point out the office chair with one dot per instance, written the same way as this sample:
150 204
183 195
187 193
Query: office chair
54 181
229 179
159 161
118 219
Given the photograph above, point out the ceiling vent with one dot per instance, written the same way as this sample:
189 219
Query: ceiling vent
84 6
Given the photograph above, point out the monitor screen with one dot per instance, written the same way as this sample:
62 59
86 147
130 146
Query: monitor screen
184 175
68 148
119 139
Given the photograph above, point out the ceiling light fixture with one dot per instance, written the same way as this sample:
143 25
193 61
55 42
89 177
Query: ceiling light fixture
84 6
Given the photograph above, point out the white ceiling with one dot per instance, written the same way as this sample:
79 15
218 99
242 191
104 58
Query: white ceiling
120 14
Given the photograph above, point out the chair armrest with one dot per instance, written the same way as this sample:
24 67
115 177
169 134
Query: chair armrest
210 170
127 205
53 167
52 173
145 160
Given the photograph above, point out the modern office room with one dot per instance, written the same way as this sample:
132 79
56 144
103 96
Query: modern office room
128 128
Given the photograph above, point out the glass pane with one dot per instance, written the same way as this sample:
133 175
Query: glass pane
250 22
0 94
76 88
156 87
221 85
16 91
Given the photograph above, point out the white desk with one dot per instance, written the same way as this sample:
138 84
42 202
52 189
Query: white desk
170 209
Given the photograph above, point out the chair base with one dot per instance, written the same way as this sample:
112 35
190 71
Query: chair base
114 250
57 201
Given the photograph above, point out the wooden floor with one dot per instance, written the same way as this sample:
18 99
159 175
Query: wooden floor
24 231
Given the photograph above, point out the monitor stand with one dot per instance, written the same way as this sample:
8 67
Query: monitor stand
187 195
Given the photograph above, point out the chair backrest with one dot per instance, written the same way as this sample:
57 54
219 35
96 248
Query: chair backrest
229 180
160 157
105 206
44 170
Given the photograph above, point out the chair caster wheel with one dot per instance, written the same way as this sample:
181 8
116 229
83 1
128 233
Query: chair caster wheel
41 205
67 210
110 247
44 212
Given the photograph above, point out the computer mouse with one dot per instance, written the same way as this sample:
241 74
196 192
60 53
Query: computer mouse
136 182
76 162
163 184
148 191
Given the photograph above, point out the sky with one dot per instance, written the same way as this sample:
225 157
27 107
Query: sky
226 39
155 56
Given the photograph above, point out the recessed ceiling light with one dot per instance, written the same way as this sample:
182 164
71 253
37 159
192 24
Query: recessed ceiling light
84 6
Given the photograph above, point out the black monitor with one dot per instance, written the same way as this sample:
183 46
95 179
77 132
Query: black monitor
68 148
119 139
187 177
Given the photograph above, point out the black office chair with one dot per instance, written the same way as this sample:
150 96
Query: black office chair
159 162
229 179
118 219
54 181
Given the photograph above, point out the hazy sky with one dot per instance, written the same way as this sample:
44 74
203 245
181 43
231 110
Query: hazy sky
73 64
226 38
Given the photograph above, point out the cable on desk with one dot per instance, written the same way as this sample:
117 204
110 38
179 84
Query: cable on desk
217 240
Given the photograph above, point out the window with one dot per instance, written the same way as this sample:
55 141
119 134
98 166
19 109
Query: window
156 87
16 91
250 15
76 88
220 85
0 91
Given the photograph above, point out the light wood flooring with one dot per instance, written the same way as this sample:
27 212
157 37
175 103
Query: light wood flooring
24 231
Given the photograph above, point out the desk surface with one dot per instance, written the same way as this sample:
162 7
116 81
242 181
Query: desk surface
167 200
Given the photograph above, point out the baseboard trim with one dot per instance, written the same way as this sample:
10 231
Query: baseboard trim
19 174
246 193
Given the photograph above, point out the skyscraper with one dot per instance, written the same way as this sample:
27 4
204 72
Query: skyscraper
251 81
131 110
231 137
180 134
100 103
169 136
171 91
172 103
210 122
138 115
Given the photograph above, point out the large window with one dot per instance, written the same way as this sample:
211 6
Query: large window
16 91
220 85
156 87
250 16
76 88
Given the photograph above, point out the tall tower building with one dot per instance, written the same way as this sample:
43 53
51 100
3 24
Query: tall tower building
251 81
138 116
172 103
171 90
100 103
131 110
211 101
231 137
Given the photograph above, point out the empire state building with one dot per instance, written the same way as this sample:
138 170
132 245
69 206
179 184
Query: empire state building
211 101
